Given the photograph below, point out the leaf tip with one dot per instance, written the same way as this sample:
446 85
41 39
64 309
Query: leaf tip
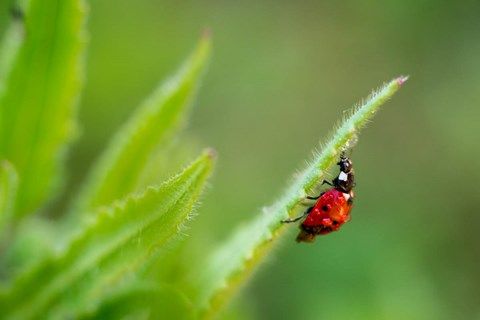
205 41
206 34
401 80
211 153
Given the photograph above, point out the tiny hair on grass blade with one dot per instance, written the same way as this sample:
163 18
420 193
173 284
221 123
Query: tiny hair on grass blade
123 237
213 285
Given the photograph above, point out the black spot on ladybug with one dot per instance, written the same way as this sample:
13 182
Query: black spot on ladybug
332 207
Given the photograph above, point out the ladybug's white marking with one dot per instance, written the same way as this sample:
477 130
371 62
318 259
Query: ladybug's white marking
346 196
342 176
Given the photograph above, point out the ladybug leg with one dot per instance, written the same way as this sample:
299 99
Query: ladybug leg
314 198
327 182
289 220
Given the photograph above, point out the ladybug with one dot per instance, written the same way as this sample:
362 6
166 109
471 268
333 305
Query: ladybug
332 207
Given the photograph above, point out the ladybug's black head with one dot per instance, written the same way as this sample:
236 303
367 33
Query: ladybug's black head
345 164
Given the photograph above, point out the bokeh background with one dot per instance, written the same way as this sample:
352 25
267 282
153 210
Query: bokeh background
282 74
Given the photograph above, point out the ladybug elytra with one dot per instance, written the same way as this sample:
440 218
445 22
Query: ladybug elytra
332 207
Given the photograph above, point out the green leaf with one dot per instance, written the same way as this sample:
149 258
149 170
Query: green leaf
143 301
40 93
168 159
230 266
8 192
153 125
34 240
11 43
121 240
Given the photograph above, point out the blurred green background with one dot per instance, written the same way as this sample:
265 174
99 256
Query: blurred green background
282 74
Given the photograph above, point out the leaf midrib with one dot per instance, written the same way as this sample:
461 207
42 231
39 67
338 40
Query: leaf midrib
74 271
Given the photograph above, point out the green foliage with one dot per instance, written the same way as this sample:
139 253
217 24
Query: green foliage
123 237
125 226
25 244
118 170
11 43
143 301
228 267
8 192
41 86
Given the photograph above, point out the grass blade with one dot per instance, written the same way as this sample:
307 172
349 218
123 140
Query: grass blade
122 239
11 43
118 170
33 240
233 262
143 301
37 106
8 192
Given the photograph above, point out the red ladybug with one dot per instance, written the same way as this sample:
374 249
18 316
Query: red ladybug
332 208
